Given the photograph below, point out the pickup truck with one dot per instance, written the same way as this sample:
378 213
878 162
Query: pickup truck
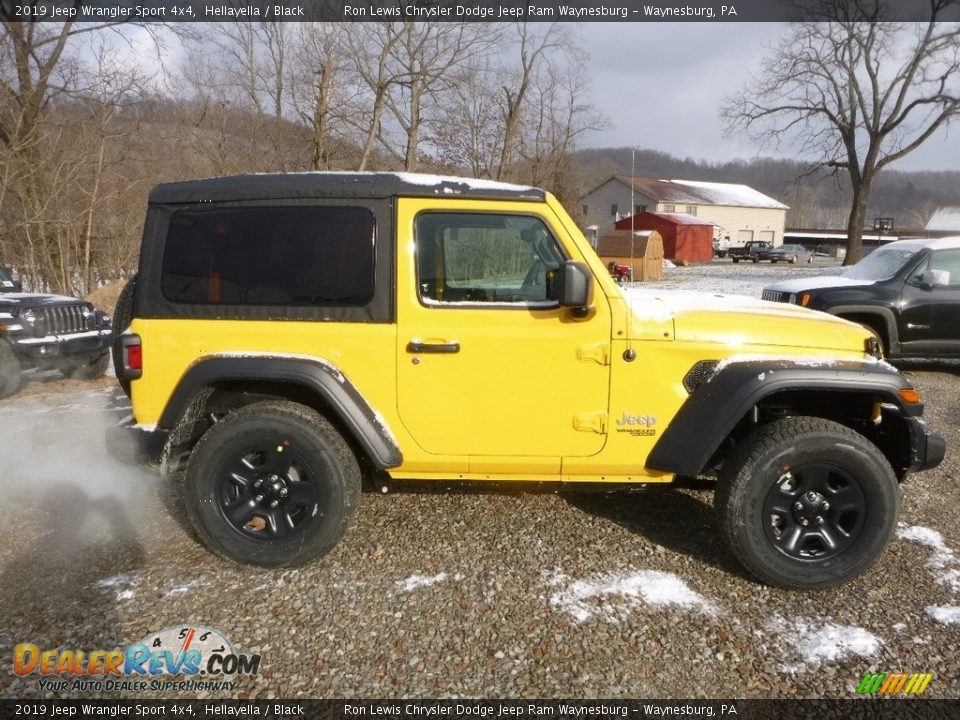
755 250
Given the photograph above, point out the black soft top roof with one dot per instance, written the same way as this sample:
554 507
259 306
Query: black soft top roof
278 186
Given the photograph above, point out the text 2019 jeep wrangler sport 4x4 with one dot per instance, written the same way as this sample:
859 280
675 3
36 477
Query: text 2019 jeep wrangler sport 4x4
286 331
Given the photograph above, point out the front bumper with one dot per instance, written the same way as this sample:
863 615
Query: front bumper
54 347
134 444
927 449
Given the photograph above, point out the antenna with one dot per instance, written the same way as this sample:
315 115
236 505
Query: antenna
630 354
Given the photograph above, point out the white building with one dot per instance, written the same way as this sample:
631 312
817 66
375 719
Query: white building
736 211
945 219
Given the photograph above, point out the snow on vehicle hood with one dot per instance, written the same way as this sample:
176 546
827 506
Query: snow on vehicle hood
815 283
737 321
15 300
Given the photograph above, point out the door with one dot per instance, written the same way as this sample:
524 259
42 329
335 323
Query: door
489 365
930 305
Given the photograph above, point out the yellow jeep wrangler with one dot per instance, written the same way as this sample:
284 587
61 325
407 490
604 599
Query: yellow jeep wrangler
287 333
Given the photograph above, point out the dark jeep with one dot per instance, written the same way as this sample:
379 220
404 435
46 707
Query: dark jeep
49 332
907 293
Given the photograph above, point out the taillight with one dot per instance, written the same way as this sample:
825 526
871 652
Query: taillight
132 356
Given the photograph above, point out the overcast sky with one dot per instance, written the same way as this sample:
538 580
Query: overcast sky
661 85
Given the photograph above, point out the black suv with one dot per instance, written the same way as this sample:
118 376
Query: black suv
907 293
49 332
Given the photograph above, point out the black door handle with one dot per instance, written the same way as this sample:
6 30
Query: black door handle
417 346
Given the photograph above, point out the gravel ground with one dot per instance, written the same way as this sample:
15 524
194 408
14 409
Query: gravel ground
474 595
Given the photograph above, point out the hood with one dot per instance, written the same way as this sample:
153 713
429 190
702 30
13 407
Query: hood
15 301
816 283
738 321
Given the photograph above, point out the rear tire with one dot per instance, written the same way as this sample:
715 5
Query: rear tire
272 484
806 503
793 260
11 372
736 260
122 317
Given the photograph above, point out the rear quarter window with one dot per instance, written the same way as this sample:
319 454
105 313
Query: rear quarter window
274 256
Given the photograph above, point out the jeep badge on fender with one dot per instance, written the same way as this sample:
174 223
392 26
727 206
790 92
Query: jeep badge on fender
285 331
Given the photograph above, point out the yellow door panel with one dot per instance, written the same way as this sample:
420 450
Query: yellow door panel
481 371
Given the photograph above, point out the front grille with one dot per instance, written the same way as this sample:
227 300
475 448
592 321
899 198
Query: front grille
63 319
775 296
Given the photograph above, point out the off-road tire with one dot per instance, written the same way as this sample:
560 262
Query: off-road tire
312 445
759 464
755 260
736 259
84 369
120 321
11 373
793 260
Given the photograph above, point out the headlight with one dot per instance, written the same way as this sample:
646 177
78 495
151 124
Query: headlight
28 318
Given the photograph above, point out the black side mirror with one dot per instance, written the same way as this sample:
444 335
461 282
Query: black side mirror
575 285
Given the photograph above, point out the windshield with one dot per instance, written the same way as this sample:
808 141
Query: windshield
882 264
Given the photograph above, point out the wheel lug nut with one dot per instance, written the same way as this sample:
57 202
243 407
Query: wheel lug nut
826 506
804 522
283 492
798 506
258 483
259 498
819 519
274 503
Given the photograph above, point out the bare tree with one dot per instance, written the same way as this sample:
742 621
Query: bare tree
370 47
533 47
854 92
425 59
320 96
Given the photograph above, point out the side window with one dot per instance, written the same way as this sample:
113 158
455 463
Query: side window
284 255
486 258
945 265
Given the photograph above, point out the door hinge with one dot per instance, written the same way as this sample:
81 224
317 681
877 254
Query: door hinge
599 353
591 422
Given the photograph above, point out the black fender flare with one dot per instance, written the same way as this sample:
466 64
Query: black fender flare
886 315
316 375
716 405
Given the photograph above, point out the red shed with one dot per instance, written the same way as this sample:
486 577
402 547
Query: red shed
685 237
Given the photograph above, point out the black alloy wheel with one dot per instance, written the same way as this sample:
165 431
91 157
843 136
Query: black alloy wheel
814 511
272 484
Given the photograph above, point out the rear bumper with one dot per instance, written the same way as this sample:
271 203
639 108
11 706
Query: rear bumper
134 444
54 347
927 449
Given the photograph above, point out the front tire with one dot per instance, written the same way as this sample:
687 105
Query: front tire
272 484
793 260
806 503
11 372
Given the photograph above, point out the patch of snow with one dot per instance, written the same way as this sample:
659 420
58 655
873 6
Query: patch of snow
667 264
334 370
117 580
943 561
612 595
798 285
945 614
814 641
471 183
418 581
899 627
731 194
181 589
